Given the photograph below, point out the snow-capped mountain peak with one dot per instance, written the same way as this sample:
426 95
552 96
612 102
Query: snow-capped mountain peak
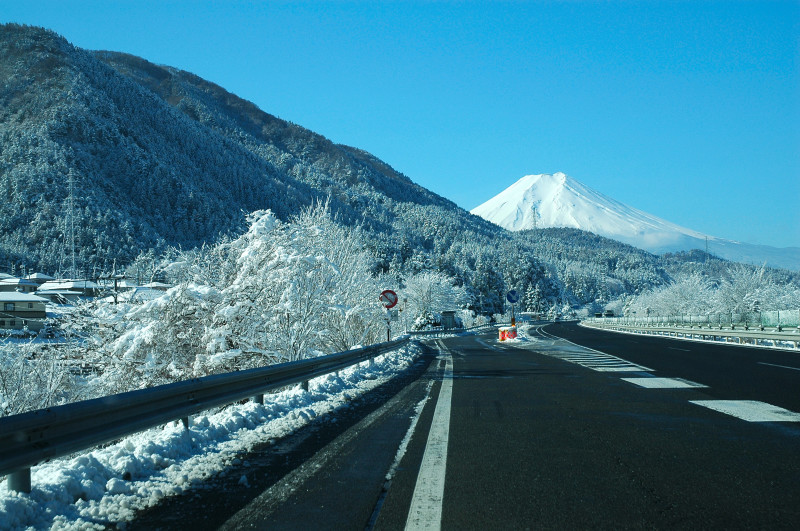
558 200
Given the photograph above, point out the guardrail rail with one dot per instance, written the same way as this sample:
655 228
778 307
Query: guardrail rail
756 327
37 436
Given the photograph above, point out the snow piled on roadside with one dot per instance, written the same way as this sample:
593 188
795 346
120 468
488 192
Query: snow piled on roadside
109 485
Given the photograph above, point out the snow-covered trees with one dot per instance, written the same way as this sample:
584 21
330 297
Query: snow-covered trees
429 293
31 377
298 289
689 294
748 289
279 292
743 289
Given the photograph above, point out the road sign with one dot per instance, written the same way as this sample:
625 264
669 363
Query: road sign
512 296
388 298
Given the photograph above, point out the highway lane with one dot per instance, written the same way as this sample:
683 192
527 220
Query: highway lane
730 371
537 441
536 434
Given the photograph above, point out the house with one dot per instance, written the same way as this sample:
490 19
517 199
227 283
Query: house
86 288
21 310
60 296
18 284
39 278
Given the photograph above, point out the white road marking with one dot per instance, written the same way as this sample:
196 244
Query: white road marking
618 369
681 349
781 366
602 362
426 503
487 345
663 383
589 357
750 410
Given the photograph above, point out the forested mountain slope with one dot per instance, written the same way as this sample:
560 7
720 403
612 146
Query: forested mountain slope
158 157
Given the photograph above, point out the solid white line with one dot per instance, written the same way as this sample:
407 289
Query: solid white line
426 503
781 366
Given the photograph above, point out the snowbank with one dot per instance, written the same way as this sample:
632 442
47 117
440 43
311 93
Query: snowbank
111 484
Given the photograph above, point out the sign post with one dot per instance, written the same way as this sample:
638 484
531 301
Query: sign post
512 297
389 300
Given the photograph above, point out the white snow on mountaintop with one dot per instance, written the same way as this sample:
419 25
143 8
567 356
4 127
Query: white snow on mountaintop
543 201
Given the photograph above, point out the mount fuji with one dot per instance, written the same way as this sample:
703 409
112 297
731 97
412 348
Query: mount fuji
542 201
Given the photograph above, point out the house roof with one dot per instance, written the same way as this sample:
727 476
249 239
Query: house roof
39 276
48 292
70 284
13 296
18 282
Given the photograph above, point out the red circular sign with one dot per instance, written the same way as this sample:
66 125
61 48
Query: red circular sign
388 298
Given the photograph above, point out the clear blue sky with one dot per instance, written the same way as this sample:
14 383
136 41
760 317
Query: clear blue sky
688 110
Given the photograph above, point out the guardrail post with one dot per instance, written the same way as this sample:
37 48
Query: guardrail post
259 398
20 481
304 385
185 422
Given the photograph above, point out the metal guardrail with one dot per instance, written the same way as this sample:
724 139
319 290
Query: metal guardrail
740 332
438 332
778 319
37 436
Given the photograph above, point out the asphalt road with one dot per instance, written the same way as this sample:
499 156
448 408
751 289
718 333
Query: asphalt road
540 434
730 371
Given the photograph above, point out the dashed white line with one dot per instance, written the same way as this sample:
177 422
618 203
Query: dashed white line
750 410
664 383
426 504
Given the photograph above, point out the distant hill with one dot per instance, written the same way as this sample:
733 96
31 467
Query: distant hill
561 201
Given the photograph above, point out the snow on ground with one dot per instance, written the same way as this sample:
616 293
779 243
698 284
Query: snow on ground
111 484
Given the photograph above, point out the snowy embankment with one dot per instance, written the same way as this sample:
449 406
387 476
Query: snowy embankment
109 485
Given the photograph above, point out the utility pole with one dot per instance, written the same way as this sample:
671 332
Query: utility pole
71 227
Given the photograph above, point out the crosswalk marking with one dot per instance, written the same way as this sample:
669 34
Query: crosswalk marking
601 362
